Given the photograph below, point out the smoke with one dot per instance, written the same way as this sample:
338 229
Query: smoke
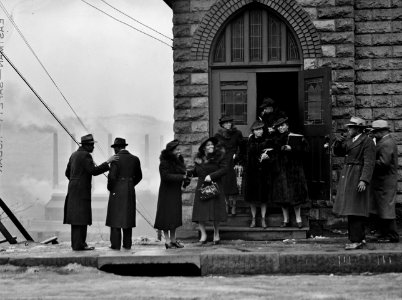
39 191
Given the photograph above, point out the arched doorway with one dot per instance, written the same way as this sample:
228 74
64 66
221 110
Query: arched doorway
256 54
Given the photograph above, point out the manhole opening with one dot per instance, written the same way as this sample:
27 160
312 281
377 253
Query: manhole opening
153 270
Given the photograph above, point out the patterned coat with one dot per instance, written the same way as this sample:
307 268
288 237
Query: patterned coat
359 166
169 209
231 141
385 179
124 175
79 171
212 209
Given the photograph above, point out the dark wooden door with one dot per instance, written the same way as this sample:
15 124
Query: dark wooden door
315 115
234 93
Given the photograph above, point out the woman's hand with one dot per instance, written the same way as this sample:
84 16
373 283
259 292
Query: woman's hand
286 148
207 178
264 156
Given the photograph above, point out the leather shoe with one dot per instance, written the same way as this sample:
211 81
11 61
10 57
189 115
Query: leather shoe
353 246
299 224
217 242
169 246
203 242
285 224
176 244
86 248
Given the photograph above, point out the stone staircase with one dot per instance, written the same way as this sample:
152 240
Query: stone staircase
238 227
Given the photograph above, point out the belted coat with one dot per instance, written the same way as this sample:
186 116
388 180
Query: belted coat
359 166
385 178
79 171
124 175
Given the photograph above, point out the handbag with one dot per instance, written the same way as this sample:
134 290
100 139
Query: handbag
209 191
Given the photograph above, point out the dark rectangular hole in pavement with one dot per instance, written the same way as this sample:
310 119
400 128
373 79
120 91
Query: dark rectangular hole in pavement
153 270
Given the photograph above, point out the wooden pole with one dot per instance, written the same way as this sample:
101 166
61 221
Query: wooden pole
55 161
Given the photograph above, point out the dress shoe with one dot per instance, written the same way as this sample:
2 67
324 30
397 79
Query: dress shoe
169 246
202 242
285 224
263 223
217 242
353 246
111 248
252 225
86 248
176 244
299 224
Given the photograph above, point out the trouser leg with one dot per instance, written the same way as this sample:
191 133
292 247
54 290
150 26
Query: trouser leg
356 228
127 237
389 230
115 238
78 236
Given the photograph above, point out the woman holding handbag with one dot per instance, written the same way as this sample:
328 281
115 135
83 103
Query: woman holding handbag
169 210
210 167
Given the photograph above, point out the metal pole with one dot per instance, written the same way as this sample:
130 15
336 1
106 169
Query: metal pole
55 161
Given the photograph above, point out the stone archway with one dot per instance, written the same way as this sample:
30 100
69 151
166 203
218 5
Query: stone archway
294 15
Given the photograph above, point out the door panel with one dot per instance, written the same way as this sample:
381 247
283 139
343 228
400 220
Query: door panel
233 94
315 114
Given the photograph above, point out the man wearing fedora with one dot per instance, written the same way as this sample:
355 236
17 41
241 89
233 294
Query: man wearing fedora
384 183
77 207
352 197
124 175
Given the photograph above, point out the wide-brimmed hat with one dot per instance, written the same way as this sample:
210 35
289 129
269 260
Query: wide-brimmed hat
87 139
356 122
280 121
257 125
379 125
225 119
214 140
267 102
171 145
119 142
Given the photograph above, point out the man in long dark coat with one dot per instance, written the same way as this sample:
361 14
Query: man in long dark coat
385 182
352 197
77 207
124 175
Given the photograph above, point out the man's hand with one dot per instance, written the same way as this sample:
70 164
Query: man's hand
361 186
112 158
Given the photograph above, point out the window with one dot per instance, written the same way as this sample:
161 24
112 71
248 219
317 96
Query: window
234 100
313 89
274 40
255 35
237 39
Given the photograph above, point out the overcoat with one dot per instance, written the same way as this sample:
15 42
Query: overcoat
258 174
124 175
79 171
169 208
359 166
289 184
213 209
231 141
385 178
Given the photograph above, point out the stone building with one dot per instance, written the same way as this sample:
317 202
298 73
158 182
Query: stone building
321 60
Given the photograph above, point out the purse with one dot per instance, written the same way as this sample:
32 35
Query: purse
209 191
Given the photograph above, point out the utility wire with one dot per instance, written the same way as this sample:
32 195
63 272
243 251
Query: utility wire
151 36
135 20
52 113
44 68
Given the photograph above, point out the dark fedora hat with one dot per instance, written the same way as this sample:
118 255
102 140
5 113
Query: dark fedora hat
280 121
171 145
225 119
257 125
87 139
267 102
214 140
119 142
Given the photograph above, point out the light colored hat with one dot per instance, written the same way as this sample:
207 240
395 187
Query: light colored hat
356 122
379 124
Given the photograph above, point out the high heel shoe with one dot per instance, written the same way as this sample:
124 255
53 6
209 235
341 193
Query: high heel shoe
176 244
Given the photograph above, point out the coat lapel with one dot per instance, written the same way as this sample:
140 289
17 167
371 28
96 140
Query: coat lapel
357 142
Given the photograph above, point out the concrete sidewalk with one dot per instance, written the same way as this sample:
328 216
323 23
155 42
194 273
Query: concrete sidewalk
307 256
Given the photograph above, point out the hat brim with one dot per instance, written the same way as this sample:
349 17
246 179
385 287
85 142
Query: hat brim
214 140
379 128
355 125
118 145
87 143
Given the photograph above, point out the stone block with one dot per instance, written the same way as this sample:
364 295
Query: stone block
365 113
347 50
182 103
337 37
311 63
187 18
344 2
193 114
335 12
199 78
345 24
387 64
398 128
324 25
343 112
191 67
182 43
363 101
193 138
182 127
201 5
200 126
343 88
338 63
316 3
363 89
180 55
396 26
363 4
378 14
373 27
312 12
181 6
328 50
182 31
343 75
373 77
191 91
375 52
397 136
199 102
363 40
345 100
397 100
387 39
387 113
377 101
193 28
181 79
363 64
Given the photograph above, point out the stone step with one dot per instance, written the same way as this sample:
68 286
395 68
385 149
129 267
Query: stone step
259 234
272 220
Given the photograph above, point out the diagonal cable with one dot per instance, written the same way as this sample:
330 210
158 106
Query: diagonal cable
151 36
135 20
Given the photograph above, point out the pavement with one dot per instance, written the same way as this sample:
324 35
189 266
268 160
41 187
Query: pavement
319 255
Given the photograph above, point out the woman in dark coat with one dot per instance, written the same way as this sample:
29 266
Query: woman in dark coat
258 172
210 165
169 210
290 185
230 139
